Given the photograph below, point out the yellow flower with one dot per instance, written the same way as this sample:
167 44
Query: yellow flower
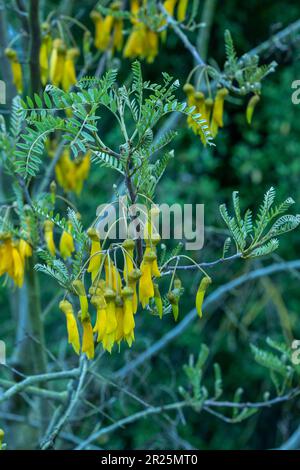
128 320
6 260
57 60
158 301
201 293
151 45
112 275
25 249
146 285
18 266
87 337
48 234
134 7
118 35
100 326
69 74
44 57
80 291
66 244
217 117
111 320
16 69
120 319
128 246
82 169
73 335
136 42
169 6
133 278
98 22
95 255
250 107
181 10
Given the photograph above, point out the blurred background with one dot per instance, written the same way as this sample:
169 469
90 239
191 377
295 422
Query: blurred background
246 158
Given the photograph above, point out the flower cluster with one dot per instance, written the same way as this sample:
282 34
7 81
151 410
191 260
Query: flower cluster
57 61
210 109
115 293
71 174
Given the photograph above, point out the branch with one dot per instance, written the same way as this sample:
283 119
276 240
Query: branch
174 25
34 379
40 392
48 442
192 315
183 404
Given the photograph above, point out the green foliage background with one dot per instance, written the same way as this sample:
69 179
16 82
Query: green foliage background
248 159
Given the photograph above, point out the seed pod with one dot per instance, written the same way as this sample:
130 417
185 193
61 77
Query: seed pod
158 301
173 298
250 107
48 235
205 281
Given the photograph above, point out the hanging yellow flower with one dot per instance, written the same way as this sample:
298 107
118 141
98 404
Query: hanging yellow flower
133 278
57 60
111 320
25 249
18 266
169 6
16 69
73 335
128 320
80 291
118 35
87 336
95 253
128 246
217 116
66 244
101 307
181 10
205 282
45 50
120 319
6 260
69 74
48 235
146 288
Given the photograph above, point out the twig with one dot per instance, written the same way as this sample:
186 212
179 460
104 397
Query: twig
40 392
35 379
49 441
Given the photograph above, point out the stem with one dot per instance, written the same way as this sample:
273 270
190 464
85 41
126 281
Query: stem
37 331
35 45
